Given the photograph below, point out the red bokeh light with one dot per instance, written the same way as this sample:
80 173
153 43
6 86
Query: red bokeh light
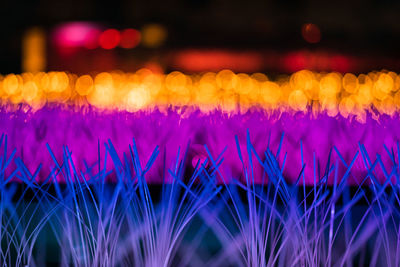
109 39
317 61
341 63
311 33
295 61
130 38
215 60
92 41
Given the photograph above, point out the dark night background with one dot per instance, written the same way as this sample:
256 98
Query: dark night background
363 28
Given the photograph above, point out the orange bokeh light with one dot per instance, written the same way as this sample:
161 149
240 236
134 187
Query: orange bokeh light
153 35
304 91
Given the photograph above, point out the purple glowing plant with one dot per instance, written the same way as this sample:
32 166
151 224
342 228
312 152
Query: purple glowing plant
249 189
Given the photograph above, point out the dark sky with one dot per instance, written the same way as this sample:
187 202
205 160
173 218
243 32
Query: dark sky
367 27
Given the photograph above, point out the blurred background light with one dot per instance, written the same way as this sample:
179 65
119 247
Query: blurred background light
109 39
311 33
153 35
102 36
213 60
332 36
318 61
130 38
77 34
34 50
332 93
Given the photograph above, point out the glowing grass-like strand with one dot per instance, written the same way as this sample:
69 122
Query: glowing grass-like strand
98 223
16 226
320 198
161 228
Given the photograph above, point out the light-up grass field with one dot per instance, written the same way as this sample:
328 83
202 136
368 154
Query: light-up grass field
216 169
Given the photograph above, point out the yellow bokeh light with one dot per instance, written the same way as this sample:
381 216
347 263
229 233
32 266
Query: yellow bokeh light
153 35
226 79
29 91
104 79
302 80
175 81
84 85
388 106
247 86
260 77
298 100
34 50
137 99
382 86
330 93
396 99
330 85
58 81
350 83
270 93
11 84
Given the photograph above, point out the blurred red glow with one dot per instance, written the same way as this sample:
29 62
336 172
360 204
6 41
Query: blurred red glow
154 67
341 63
76 34
317 61
109 39
214 60
311 33
130 38
295 61
92 41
